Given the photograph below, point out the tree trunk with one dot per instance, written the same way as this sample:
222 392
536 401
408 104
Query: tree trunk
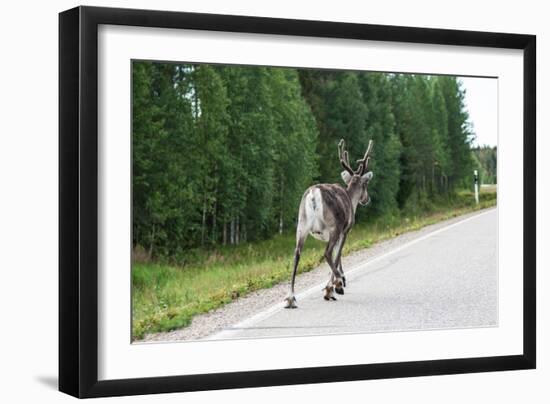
203 228
214 235
433 178
237 231
224 237
281 207
215 211
424 183
152 241
195 100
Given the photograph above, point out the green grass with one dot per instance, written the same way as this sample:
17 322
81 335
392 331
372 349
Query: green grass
167 296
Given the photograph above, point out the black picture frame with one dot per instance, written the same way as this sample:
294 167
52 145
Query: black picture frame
78 201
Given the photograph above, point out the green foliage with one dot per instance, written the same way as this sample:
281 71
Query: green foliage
377 95
459 132
485 159
433 127
223 154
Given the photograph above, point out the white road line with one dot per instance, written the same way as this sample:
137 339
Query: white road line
224 334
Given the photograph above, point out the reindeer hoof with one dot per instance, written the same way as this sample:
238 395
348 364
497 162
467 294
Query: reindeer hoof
329 293
290 303
339 287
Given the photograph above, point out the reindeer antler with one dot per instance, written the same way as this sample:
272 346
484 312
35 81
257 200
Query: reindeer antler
343 156
364 162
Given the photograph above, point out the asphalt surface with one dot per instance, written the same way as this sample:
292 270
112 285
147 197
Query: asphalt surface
445 279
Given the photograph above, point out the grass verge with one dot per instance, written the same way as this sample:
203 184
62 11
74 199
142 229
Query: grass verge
166 296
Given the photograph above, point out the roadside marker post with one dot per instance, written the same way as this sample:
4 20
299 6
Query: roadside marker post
476 187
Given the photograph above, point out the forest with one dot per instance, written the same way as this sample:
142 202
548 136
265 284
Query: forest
485 159
222 154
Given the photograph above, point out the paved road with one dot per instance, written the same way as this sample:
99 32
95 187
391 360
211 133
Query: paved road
446 279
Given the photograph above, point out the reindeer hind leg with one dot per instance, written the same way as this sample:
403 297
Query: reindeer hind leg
329 289
290 300
338 262
335 279
342 273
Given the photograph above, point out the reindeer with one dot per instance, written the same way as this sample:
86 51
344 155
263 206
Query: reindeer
327 212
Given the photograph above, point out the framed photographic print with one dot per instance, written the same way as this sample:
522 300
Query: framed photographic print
251 201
